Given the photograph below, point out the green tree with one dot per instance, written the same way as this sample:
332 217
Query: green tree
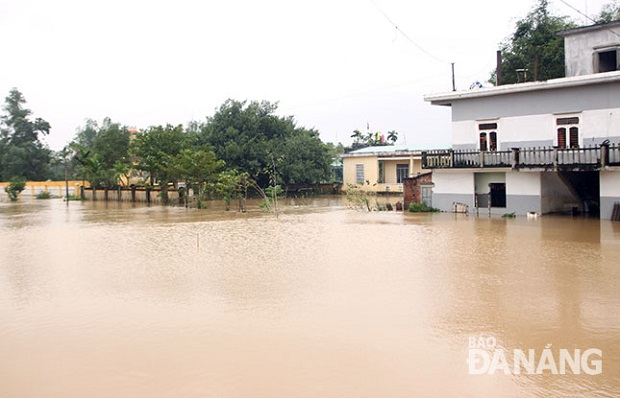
95 170
392 136
23 154
230 185
197 168
247 136
110 143
534 47
609 13
17 185
156 150
357 135
304 158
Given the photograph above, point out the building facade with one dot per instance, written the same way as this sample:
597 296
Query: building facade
381 169
539 147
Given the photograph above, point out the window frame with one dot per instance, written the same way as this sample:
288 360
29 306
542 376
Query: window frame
359 171
399 172
487 136
567 132
605 50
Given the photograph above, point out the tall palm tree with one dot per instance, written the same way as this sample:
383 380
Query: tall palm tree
392 136
357 135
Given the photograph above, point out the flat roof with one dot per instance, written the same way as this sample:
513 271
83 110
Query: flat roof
383 150
566 82
589 28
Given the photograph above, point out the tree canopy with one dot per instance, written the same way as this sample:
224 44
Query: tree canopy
22 154
609 13
242 143
250 138
101 152
534 51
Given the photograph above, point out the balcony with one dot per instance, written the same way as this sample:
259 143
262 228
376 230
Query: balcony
588 158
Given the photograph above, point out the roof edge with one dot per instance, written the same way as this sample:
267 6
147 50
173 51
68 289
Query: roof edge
447 98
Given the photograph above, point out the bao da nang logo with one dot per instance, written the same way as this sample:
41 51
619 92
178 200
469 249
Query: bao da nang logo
485 356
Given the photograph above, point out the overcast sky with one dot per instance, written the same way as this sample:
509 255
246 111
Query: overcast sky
335 65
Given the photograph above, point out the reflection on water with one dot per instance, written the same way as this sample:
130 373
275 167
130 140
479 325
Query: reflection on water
106 299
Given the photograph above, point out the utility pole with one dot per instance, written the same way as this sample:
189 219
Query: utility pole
64 155
453 82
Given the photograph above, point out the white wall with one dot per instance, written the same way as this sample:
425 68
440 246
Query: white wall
453 182
599 124
523 183
594 127
579 50
610 183
465 133
526 129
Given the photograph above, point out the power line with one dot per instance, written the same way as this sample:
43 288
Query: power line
578 11
587 16
406 36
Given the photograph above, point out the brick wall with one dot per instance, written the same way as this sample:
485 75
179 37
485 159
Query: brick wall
412 190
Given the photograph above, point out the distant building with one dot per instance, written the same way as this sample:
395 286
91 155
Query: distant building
381 169
540 147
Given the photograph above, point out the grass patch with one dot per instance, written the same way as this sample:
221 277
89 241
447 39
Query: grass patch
421 208
43 195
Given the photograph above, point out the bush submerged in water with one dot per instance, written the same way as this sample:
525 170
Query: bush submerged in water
421 208
16 186
44 195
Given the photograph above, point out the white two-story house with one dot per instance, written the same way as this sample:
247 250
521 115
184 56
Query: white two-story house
543 147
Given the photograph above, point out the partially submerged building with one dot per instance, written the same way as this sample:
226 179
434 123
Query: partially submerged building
542 147
381 169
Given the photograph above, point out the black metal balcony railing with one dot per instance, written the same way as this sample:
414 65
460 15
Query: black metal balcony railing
516 158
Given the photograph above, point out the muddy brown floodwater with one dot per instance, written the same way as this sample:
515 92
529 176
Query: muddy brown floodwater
109 300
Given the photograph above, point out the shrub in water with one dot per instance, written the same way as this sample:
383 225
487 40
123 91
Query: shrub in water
421 208
15 187
44 195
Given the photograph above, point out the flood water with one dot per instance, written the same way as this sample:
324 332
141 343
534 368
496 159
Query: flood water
111 300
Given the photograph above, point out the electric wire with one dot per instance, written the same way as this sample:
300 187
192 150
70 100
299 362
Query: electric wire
587 16
407 36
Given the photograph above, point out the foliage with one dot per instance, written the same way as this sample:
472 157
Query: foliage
304 158
248 136
421 208
198 168
230 185
535 47
21 152
371 139
156 150
44 195
15 187
94 170
270 198
609 13
101 152
358 197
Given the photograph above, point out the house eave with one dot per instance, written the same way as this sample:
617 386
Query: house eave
589 28
447 99
385 155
